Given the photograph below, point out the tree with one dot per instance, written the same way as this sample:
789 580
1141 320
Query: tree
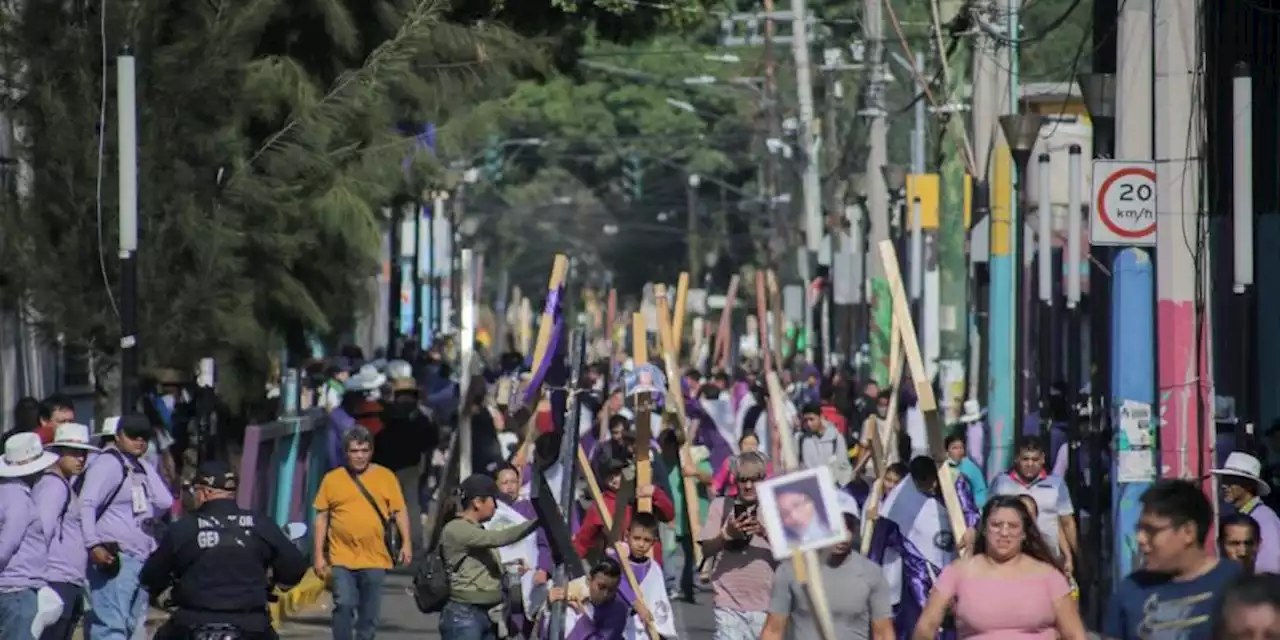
269 145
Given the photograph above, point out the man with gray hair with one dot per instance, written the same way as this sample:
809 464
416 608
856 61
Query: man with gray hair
361 532
743 563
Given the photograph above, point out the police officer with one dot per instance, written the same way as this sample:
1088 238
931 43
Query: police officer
217 559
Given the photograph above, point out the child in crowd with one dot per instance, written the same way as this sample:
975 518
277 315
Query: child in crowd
642 535
595 611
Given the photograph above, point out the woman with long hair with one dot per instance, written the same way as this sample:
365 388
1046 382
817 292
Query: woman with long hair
1011 563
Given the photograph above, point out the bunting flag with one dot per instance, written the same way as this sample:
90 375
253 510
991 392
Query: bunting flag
717 429
524 550
914 527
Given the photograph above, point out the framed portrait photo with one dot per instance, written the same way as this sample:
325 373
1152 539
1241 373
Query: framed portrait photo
801 512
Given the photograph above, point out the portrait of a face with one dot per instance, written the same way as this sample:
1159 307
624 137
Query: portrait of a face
797 511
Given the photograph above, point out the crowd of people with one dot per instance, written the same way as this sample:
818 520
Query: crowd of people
913 578
660 515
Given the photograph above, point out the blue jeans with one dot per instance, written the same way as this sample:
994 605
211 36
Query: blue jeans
357 597
680 567
466 622
17 613
118 606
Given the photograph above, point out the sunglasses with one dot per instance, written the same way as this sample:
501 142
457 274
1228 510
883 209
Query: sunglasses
750 478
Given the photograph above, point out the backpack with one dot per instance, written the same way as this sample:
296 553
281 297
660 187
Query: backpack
431 581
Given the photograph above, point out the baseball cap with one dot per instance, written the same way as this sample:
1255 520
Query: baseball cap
216 474
478 486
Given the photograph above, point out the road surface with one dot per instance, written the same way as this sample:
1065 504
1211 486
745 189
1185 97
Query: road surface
402 621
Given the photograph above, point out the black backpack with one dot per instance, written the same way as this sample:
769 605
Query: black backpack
431 581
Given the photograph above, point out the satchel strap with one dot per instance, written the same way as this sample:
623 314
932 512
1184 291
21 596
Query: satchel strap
368 496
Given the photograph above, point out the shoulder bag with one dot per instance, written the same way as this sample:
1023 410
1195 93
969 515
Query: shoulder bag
390 532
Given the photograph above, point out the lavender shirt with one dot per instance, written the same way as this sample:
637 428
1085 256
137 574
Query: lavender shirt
68 556
119 523
22 541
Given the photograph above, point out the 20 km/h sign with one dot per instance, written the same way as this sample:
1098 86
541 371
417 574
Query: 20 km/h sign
1124 204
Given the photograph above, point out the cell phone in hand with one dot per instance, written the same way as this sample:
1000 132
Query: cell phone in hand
741 509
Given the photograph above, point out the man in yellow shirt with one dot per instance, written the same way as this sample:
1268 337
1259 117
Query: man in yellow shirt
350 535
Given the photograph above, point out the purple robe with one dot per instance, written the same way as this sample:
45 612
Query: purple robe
607 621
340 422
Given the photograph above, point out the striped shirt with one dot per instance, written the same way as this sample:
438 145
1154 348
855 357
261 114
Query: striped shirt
742 578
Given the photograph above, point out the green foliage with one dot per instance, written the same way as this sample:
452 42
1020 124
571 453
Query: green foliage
268 146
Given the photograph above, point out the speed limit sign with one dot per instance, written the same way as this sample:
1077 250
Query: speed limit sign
1123 211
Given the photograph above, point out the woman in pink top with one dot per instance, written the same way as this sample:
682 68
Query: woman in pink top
1011 565
722 483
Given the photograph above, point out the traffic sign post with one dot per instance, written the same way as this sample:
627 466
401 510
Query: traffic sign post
1123 207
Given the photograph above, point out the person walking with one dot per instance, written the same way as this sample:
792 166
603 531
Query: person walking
1244 489
121 497
1057 513
59 509
470 552
1181 583
862 610
1011 563
23 543
361 531
732 539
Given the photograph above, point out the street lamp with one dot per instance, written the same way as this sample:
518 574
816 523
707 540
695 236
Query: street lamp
1099 93
1021 132
895 180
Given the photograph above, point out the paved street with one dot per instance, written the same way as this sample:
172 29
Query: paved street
401 620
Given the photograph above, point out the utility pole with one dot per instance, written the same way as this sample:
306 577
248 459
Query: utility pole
1182 247
990 99
1132 364
772 174
876 295
811 183
127 130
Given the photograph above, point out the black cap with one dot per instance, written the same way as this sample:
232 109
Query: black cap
134 425
478 485
216 474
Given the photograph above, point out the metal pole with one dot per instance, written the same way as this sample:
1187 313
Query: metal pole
917 265
437 213
1019 307
1075 223
127 131
466 344
396 284
1044 285
691 228
416 208
1242 234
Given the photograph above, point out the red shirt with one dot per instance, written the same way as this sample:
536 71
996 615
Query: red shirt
831 414
592 529
45 431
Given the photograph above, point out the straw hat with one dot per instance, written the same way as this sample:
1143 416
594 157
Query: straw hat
70 435
1239 465
24 455
367 379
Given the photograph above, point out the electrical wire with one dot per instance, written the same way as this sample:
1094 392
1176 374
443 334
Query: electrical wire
997 35
966 149
102 151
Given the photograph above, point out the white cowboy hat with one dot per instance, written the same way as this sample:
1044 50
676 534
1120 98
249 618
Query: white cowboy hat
24 455
399 370
1240 465
70 435
973 412
367 379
